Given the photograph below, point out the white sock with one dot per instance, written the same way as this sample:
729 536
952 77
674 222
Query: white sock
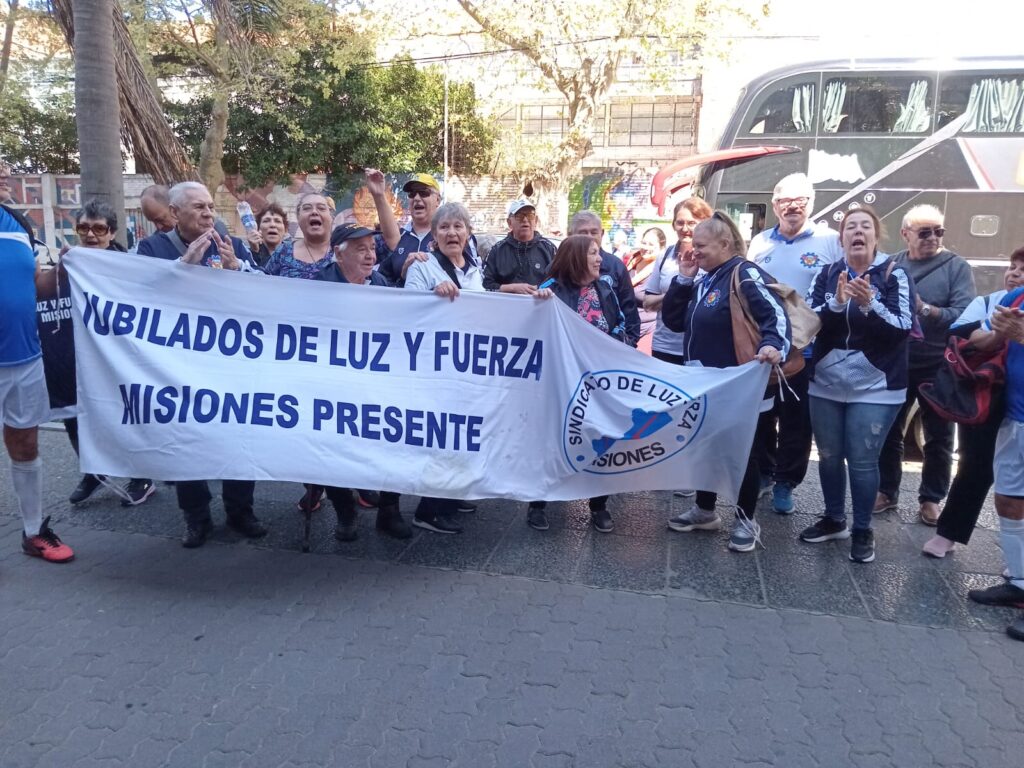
1011 536
27 477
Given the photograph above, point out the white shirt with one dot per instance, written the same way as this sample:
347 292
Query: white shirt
661 278
796 262
427 275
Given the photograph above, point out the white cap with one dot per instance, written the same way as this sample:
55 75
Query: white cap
517 205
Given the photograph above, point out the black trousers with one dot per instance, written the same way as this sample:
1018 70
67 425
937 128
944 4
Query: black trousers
938 447
194 498
784 451
972 482
749 489
596 502
668 357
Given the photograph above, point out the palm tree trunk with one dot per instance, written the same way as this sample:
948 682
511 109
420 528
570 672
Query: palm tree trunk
97 112
5 53
145 129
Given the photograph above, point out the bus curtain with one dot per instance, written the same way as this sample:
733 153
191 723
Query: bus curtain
803 108
995 106
832 106
914 115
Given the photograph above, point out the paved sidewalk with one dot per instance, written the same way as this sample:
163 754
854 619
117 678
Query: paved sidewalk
501 647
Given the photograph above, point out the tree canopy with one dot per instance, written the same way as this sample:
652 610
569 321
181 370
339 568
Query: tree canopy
328 115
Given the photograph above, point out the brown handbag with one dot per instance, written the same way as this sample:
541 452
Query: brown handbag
746 334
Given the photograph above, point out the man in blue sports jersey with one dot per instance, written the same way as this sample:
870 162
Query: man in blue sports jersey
793 252
24 402
414 241
1007 326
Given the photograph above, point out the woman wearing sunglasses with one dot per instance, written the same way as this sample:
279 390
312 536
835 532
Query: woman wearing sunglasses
95 226
944 287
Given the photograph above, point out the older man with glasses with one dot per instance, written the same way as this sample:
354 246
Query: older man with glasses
945 287
793 252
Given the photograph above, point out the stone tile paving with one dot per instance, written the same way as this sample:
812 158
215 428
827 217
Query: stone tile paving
641 555
640 648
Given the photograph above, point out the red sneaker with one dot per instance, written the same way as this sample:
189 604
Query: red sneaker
47 545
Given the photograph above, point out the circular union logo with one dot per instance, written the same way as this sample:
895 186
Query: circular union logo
810 260
712 298
624 421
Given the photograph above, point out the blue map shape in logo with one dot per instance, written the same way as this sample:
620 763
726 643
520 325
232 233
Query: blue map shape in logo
645 424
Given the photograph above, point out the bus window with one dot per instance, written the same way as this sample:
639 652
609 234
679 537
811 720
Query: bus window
876 104
785 109
993 104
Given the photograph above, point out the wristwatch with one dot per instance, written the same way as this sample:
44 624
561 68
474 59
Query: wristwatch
925 310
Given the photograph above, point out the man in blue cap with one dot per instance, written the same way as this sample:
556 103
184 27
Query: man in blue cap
354 260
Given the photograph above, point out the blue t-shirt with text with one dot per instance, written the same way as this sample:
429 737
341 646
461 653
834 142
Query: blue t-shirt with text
19 339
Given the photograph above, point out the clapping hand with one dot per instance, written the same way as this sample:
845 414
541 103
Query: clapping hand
228 260
860 290
1008 322
194 253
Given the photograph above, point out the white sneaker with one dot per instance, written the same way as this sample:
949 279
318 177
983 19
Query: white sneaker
695 519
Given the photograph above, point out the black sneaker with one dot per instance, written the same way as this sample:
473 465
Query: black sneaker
138 490
86 487
826 529
439 523
1016 630
1006 594
862 548
536 518
602 520
466 506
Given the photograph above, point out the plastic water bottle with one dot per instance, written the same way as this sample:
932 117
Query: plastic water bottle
246 215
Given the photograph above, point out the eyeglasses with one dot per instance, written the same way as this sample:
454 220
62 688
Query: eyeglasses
925 232
786 202
423 194
525 216
97 229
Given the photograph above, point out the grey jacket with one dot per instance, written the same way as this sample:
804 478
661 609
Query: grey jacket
946 284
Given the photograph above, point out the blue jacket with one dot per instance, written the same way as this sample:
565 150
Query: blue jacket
160 246
701 309
623 285
862 356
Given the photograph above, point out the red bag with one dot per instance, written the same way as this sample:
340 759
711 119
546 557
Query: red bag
968 388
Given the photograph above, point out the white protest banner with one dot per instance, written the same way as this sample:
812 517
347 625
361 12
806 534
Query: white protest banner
186 372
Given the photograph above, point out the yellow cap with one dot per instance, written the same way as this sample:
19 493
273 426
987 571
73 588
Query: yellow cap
422 178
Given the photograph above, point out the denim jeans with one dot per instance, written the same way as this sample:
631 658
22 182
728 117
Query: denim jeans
849 437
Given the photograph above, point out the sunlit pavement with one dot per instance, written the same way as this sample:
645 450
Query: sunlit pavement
503 646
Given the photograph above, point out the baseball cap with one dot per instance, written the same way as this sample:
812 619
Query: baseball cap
422 178
348 232
517 205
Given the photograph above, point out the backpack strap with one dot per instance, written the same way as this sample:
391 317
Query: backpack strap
22 220
448 267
